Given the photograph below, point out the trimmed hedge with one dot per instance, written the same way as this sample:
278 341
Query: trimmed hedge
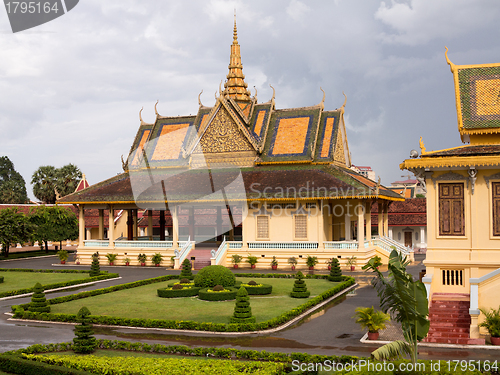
1 279
21 313
175 293
205 295
258 289
15 364
211 276
60 285
283 276
228 353
41 271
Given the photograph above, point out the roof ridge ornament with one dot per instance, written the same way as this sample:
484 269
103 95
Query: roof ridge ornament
422 146
156 111
342 108
140 116
322 104
274 94
199 100
452 66
255 96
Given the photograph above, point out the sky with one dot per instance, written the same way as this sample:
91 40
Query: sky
71 89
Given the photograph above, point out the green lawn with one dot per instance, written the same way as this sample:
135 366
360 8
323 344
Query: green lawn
22 280
143 302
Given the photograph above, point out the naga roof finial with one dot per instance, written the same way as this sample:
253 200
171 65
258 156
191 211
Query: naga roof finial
345 101
140 116
156 111
452 66
255 96
199 100
322 104
274 94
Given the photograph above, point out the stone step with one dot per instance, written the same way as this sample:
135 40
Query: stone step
450 305
434 328
457 341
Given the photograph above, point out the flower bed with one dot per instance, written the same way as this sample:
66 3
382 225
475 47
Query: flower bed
175 293
208 294
259 289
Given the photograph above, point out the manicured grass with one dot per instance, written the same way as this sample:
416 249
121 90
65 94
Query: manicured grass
30 254
143 302
22 280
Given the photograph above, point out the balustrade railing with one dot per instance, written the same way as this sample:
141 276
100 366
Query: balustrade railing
282 245
96 243
142 244
184 251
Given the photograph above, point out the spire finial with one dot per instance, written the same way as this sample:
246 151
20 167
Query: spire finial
235 31
235 86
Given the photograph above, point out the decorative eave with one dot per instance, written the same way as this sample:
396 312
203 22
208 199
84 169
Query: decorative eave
450 162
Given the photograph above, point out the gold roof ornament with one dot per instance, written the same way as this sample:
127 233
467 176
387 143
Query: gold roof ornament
322 104
255 96
422 146
452 66
345 101
156 111
140 116
199 100
235 86
274 94
124 165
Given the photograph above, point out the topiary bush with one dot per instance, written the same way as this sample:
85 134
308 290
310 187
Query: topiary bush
84 342
186 270
218 288
299 287
95 269
335 272
208 294
174 292
1 279
242 310
38 300
257 289
185 281
251 282
211 276
177 286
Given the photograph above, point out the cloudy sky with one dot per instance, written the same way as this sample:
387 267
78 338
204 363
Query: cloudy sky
71 89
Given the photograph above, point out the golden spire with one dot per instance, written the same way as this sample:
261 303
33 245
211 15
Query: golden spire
235 86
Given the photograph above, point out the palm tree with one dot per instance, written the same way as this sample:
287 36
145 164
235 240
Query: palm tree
406 301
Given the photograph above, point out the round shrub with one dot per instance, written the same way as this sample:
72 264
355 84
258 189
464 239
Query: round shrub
209 295
258 289
177 286
218 288
185 281
211 276
251 282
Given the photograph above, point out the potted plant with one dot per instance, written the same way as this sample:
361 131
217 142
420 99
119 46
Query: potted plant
311 261
236 259
274 263
142 259
351 262
77 260
111 258
373 320
63 256
172 260
252 260
492 324
157 259
127 261
293 262
329 263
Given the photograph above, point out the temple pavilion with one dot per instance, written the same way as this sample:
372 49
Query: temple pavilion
463 210
240 177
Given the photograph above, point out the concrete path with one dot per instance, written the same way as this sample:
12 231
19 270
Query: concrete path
330 332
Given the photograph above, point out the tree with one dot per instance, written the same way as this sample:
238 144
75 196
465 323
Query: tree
335 271
186 270
406 301
67 179
95 268
44 184
14 228
53 224
300 287
12 184
242 310
84 342
38 300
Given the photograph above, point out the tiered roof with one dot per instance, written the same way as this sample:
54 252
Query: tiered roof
276 148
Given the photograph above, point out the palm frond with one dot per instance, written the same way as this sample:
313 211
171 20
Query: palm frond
393 350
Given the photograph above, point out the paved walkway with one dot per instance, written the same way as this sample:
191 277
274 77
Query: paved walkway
330 332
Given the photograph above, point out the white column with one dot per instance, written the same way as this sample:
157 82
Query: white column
361 225
368 216
175 227
111 229
347 224
390 233
422 237
101 224
81 225
244 221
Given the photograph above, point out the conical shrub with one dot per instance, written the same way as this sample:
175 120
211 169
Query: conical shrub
95 269
84 342
242 310
299 287
38 301
335 272
186 270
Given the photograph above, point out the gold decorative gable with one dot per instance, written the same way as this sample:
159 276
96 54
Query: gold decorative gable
339 149
222 135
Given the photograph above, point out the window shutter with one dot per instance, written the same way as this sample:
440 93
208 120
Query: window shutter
451 209
496 208
301 226
262 227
